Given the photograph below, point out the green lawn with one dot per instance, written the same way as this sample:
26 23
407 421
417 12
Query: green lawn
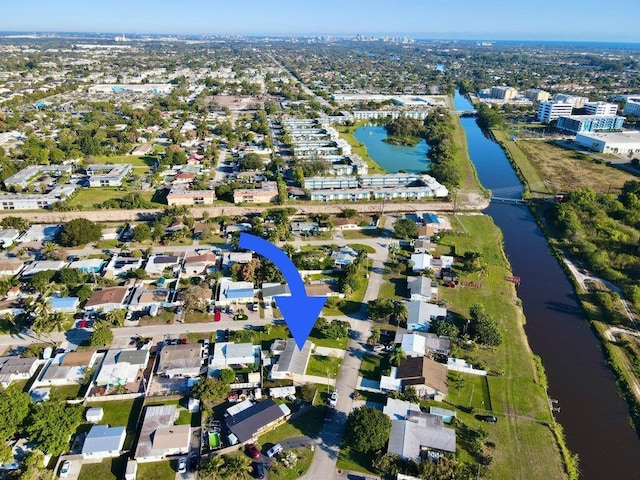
360 246
320 365
279 472
309 423
134 160
156 471
68 391
372 366
108 469
351 304
355 461
321 341
184 418
394 285
469 391
93 197
361 234
358 148
119 413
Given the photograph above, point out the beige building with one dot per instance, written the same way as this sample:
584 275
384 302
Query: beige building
267 193
181 195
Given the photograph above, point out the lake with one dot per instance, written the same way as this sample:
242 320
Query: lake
392 158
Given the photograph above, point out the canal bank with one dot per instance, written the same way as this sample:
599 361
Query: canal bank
594 417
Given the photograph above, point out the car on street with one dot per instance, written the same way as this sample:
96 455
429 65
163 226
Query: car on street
273 451
259 469
182 465
227 335
64 471
487 418
217 316
333 399
82 324
253 451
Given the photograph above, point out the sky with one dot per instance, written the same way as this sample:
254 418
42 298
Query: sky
579 20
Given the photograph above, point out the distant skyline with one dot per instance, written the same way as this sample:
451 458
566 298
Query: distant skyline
585 20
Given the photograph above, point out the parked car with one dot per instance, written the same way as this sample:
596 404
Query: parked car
230 309
182 465
82 324
273 451
253 307
217 316
193 462
179 310
487 418
259 469
64 471
210 309
253 451
227 335
128 316
333 399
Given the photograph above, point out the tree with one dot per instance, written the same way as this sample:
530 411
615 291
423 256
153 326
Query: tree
34 468
195 298
84 292
374 337
380 308
70 277
210 392
251 161
400 312
79 231
42 280
368 429
482 328
398 355
116 317
405 228
227 375
141 232
349 212
48 250
444 328
212 469
16 223
336 329
14 409
237 467
101 335
52 423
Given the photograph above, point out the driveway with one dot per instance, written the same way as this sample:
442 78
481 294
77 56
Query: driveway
76 466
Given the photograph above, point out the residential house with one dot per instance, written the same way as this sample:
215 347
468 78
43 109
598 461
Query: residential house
122 366
420 262
199 264
234 292
159 437
14 368
420 436
7 237
422 289
253 419
89 265
67 368
103 441
140 150
343 257
421 314
272 290
427 376
10 268
111 233
291 361
41 266
228 355
446 415
423 246
399 409
419 344
229 259
305 228
40 233
142 299
157 265
64 304
107 299
183 360
119 266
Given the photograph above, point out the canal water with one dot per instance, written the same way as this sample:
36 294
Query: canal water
594 417
392 158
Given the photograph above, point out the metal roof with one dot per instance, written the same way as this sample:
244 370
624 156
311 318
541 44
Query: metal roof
102 438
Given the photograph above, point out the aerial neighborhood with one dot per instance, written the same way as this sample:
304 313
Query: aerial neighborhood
139 340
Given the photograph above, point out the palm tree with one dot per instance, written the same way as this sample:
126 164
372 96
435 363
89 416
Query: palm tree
48 250
400 312
397 356
212 469
374 337
116 317
58 321
237 467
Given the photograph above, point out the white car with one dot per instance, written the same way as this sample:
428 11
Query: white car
273 451
64 471
333 399
182 465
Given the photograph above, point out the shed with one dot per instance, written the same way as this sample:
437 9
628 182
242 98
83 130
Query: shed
94 414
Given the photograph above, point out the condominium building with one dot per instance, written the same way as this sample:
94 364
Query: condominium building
589 123
267 193
18 201
23 177
574 100
537 95
181 195
549 111
503 93
632 107
600 108
107 175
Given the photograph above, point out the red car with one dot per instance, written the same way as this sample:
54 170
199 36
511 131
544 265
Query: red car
82 324
253 451
217 316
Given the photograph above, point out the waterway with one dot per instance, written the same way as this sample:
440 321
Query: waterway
594 417
392 158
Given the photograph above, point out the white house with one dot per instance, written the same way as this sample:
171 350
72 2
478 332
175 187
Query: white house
159 437
227 354
234 292
422 289
421 314
14 368
420 261
291 361
183 360
67 368
107 299
158 264
103 441
121 366
7 237
42 266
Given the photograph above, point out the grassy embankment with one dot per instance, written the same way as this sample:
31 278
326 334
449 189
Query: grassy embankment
347 133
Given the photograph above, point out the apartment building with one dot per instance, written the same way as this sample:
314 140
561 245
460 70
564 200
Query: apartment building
549 111
589 123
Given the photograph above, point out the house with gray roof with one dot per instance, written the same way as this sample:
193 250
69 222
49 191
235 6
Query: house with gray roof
183 360
292 361
121 366
103 441
248 423
14 368
420 436
159 437
229 354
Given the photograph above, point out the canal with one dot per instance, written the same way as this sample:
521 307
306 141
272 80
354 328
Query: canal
594 417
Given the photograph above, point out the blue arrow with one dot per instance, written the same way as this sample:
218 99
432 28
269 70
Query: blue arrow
300 311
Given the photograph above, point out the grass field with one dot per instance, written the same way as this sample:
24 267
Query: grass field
532 178
516 399
155 471
372 366
469 183
565 170
93 197
120 413
108 469
361 234
309 423
351 304
356 147
319 366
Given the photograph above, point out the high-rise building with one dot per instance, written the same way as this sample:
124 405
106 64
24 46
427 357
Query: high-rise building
503 93
600 108
632 107
537 95
590 123
549 111
573 100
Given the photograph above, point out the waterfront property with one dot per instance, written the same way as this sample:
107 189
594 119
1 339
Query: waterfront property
589 123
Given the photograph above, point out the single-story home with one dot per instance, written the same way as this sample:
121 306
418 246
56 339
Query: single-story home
420 436
423 246
234 292
89 265
120 266
10 268
229 259
121 366
14 368
159 437
68 368
199 264
103 441
270 290
421 314
399 409
107 299
427 376
227 354
420 261
157 264
247 420
7 237
183 360
418 344
343 257
422 289
291 360
41 266
40 233
141 298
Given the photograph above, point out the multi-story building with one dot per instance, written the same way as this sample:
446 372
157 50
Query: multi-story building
537 95
267 193
589 123
549 111
21 179
632 107
107 175
574 100
626 143
503 93
600 108
18 201
181 195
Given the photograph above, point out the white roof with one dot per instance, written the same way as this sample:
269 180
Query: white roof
398 409
413 345
421 261
227 353
102 438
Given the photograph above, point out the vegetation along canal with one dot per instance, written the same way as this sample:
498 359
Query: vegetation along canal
594 417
